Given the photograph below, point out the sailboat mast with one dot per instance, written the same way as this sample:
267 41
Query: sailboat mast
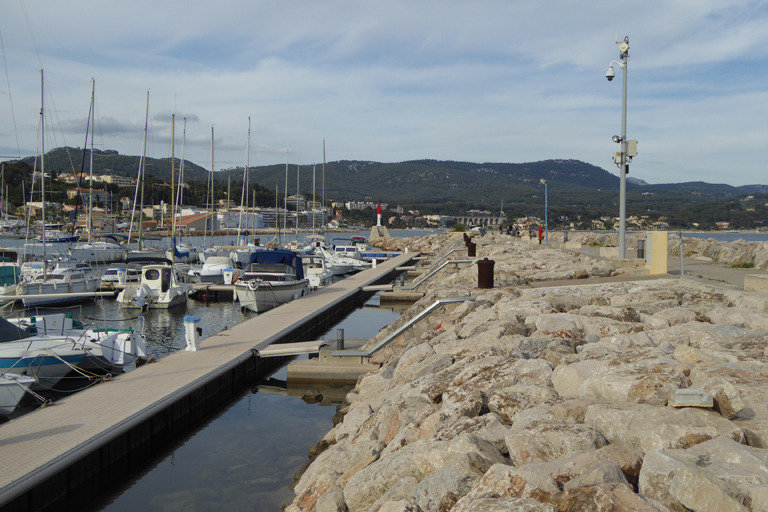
324 179
143 171
42 161
173 176
297 203
285 216
212 210
314 200
90 180
173 190
244 194
229 192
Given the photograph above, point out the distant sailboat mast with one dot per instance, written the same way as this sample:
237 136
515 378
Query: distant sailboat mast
42 162
244 194
90 180
140 180
297 202
173 190
285 216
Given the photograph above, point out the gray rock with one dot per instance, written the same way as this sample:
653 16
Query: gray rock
503 505
690 398
331 501
647 428
506 402
442 489
603 473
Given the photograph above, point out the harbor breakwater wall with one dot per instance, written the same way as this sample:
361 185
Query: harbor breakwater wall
555 399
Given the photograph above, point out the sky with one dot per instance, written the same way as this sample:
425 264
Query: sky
389 81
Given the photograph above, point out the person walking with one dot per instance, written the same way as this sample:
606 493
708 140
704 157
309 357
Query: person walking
541 234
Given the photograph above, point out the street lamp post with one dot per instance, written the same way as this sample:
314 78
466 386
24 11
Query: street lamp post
628 148
546 215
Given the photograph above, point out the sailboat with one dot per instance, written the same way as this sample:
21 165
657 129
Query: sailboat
106 249
181 252
141 252
67 277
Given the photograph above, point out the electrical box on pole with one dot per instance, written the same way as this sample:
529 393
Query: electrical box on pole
631 148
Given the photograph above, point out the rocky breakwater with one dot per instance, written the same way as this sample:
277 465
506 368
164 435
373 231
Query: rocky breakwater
556 399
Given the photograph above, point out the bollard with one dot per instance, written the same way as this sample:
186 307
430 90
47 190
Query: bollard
485 273
471 250
373 262
641 249
565 236
339 339
228 275
192 333
121 275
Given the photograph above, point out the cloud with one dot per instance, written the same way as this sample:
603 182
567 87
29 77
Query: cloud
390 81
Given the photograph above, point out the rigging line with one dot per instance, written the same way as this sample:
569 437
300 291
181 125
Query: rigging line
10 97
61 129
31 32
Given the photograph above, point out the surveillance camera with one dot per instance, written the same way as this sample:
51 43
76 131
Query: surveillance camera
610 74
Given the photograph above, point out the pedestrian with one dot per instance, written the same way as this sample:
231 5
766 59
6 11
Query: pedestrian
541 234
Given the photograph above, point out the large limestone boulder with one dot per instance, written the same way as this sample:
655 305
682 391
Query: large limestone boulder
609 497
648 427
717 475
539 436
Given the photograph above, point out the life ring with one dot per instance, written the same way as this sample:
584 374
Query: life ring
269 247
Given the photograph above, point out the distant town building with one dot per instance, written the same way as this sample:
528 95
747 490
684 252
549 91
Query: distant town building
120 181
85 194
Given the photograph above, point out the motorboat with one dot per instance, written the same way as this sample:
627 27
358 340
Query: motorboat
341 265
270 279
212 271
65 279
109 350
317 272
56 236
360 242
46 359
104 249
161 287
12 389
111 277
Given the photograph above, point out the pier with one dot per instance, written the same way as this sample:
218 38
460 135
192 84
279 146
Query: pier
63 456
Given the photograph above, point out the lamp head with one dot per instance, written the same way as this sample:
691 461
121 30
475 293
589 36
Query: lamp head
543 181
616 139
610 74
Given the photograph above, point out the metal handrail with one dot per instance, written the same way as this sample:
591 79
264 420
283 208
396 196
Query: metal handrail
438 269
450 251
403 327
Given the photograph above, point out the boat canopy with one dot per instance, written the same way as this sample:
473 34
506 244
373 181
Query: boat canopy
279 256
9 332
148 260
9 275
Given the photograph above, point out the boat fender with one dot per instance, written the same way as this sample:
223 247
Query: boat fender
235 276
253 285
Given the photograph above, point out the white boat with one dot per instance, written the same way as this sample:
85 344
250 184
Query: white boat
132 273
341 265
316 271
47 359
182 252
212 271
12 389
109 350
360 242
161 287
104 250
270 279
65 278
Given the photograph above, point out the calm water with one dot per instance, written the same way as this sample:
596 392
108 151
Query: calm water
245 457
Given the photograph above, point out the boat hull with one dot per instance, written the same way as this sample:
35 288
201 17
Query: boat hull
12 390
49 288
262 296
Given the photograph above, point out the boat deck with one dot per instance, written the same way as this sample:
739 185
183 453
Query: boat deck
41 448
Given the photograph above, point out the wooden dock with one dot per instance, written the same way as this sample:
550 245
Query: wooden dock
60 457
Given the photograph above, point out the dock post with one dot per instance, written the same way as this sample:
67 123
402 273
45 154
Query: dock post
192 336
339 339
122 274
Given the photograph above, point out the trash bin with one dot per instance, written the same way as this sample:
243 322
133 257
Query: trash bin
485 273
471 249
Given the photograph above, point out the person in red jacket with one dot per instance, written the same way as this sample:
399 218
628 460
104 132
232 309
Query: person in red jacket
541 234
